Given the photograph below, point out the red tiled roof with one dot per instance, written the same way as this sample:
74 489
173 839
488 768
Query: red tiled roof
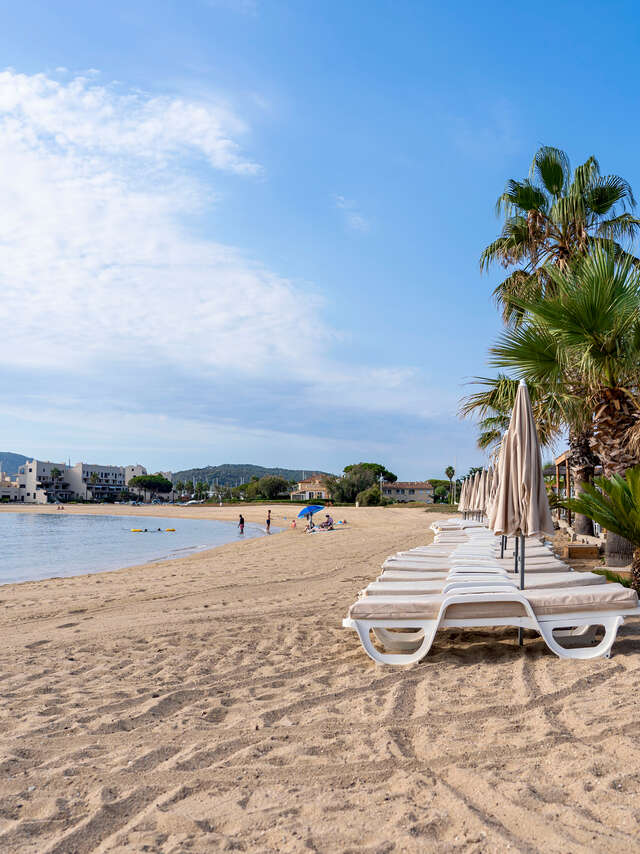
408 484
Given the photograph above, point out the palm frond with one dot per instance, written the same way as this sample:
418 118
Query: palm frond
607 192
584 176
520 196
531 352
519 285
552 168
493 404
625 226
498 394
614 503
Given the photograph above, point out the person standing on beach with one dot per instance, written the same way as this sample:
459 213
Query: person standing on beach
268 521
241 524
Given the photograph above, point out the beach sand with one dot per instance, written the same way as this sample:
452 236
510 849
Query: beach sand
215 703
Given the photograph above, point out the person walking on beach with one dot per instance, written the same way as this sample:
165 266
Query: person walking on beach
241 524
268 521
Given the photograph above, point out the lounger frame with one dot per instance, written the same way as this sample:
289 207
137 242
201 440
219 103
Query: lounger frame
544 625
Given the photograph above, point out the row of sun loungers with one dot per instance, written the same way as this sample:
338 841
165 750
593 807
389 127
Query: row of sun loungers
461 581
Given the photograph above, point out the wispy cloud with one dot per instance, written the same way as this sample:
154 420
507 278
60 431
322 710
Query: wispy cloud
110 304
492 132
243 7
353 218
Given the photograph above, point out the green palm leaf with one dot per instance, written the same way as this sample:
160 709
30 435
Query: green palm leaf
551 167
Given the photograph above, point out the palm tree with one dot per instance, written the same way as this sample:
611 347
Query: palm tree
551 219
449 472
615 504
586 338
494 403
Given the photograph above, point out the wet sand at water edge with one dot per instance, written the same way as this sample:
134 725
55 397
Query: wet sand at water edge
215 703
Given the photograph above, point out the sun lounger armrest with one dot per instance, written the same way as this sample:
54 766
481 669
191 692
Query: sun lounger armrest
485 594
471 585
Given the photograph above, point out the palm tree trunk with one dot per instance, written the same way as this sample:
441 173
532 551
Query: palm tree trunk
583 462
615 414
635 571
618 551
582 525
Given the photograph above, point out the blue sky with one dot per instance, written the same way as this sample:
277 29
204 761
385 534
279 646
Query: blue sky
248 230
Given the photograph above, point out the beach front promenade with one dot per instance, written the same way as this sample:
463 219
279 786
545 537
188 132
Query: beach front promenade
214 703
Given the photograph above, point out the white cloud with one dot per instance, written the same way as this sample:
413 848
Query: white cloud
353 219
95 260
83 118
107 296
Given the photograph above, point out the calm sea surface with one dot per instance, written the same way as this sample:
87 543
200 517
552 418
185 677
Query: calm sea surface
43 545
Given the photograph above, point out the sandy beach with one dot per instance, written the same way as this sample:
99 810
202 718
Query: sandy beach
215 703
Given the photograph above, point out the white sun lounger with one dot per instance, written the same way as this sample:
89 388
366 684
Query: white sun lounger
444 564
543 610
410 586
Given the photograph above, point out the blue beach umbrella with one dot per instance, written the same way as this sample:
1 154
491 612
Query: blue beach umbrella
310 510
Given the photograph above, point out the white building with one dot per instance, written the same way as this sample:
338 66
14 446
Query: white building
313 487
405 491
39 482
96 482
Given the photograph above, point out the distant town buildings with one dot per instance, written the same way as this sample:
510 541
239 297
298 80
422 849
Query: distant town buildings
310 488
40 482
8 488
404 491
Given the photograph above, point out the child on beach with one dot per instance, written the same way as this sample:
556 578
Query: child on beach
241 524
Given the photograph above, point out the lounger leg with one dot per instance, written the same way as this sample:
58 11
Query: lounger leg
611 626
398 641
429 630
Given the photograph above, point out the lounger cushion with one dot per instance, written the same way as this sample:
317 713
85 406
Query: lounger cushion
421 585
545 602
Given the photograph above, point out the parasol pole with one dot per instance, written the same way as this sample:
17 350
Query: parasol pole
520 632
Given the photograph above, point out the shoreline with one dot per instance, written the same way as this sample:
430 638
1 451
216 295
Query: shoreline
167 555
214 702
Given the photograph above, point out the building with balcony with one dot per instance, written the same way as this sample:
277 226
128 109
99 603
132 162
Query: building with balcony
42 481
93 482
404 491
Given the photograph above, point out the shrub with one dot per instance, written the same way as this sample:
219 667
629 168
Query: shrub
370 497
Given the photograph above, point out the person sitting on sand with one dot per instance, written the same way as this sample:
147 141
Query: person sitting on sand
310 527
328 523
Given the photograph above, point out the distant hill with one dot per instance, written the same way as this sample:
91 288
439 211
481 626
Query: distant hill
9 462
230 475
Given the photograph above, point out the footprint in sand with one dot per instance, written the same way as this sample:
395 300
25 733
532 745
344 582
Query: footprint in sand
36 644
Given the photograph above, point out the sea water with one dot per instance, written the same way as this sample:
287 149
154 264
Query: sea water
47 545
